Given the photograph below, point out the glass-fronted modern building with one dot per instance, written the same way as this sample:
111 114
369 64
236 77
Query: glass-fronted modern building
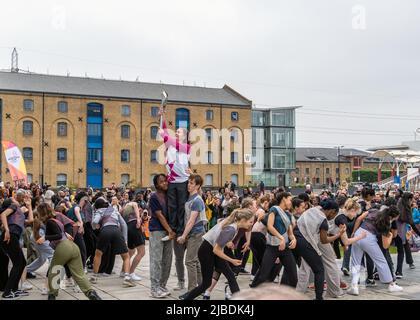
273 145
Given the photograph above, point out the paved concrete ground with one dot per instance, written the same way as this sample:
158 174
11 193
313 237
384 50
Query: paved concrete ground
110 288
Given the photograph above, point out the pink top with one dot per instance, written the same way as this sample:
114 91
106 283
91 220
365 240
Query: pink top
177 157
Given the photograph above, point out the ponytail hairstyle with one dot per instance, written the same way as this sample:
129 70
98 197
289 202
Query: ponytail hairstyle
237 215
79 196
45 212
101 203
352 204
6 204
366 192
390 201
263 199
305 197
278 198
247 203
404 207
329 204
296 202
383 219
341 200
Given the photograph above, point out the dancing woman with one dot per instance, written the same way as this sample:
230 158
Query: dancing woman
211 255
376 223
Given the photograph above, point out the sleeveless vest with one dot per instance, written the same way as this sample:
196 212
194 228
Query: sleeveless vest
129 214
273 240
309 223
332 227
107 217
55 243
17 218
63 219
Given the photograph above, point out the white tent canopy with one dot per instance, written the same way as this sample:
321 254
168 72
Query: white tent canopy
407 156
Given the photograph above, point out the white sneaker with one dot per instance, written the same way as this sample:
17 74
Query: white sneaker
180 286
76 289
228 294
44 291
164 291
165 238
135 277
158 294
354 290
69 283
94 279
394 288
26 286
128 283
123 274
339 296
103 275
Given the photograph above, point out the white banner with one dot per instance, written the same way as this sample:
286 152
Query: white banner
247 158
412 173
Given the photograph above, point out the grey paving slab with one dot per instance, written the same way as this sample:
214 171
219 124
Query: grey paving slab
110 288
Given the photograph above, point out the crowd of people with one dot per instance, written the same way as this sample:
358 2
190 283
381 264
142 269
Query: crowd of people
79 234
75 232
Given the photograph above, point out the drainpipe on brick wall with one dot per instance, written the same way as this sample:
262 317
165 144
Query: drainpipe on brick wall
141 143
42 139
1 138
221 150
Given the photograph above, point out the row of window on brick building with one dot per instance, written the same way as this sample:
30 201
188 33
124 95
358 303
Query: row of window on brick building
125 156
62 107
125 131
317 179
318 171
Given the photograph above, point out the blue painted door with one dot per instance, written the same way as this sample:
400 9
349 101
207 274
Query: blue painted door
94 165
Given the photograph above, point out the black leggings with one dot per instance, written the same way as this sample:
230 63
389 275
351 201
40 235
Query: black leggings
15 253
78 240
336 246
298 258
238 252
258 243
287 259
209 262
90 242
401 249
370 266
4 269
388 259
308 253
107 261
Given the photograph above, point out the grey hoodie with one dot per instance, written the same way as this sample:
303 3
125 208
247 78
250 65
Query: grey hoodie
109 217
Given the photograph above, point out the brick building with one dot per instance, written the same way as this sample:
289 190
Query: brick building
322 166
83 131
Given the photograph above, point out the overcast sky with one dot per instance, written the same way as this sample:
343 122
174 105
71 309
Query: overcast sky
353 65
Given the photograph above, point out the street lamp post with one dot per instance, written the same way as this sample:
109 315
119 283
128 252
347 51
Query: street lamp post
417 131
339 162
